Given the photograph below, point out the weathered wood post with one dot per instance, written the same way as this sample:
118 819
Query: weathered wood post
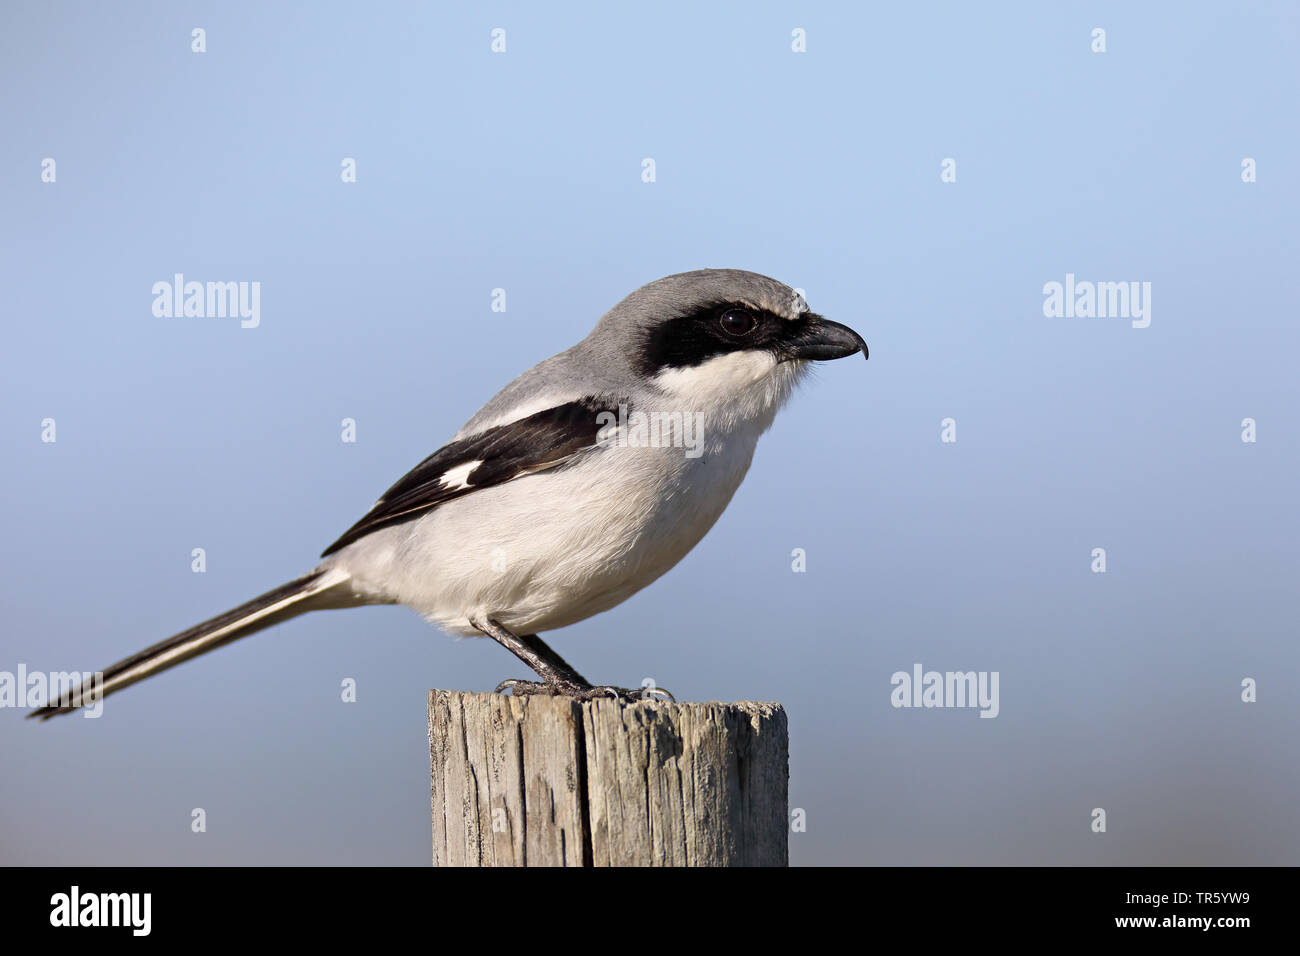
551 781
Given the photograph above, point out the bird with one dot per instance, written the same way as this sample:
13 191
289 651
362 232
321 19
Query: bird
581 482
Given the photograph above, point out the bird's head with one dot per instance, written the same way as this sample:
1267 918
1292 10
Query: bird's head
726 339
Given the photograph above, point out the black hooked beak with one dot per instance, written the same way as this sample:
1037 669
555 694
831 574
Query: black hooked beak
821 339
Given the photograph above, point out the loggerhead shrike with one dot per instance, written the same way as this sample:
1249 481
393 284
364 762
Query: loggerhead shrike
544 509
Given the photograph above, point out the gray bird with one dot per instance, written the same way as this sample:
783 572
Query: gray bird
579 483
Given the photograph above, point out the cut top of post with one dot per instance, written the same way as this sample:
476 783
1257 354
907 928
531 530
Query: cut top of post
553 781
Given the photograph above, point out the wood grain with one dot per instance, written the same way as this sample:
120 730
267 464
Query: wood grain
551 781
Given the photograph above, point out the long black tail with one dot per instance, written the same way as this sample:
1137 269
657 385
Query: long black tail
288 600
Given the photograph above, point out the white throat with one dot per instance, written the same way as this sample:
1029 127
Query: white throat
734 389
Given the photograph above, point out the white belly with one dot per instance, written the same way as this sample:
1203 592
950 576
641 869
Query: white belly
550 549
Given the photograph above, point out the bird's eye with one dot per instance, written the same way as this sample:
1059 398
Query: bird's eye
738 322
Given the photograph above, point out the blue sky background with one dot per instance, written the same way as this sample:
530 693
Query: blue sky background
522 171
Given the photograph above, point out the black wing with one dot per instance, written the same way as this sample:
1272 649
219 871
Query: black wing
540 441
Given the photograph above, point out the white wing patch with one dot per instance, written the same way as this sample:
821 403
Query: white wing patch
458 477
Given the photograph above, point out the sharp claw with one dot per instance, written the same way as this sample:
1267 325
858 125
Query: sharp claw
526 688
635 695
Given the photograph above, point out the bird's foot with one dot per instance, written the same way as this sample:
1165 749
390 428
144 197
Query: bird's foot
529 688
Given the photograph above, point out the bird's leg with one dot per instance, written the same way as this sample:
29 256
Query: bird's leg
559 677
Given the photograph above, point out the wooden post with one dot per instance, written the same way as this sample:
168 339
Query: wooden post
551 781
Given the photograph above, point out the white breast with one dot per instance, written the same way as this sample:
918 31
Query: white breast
550 549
